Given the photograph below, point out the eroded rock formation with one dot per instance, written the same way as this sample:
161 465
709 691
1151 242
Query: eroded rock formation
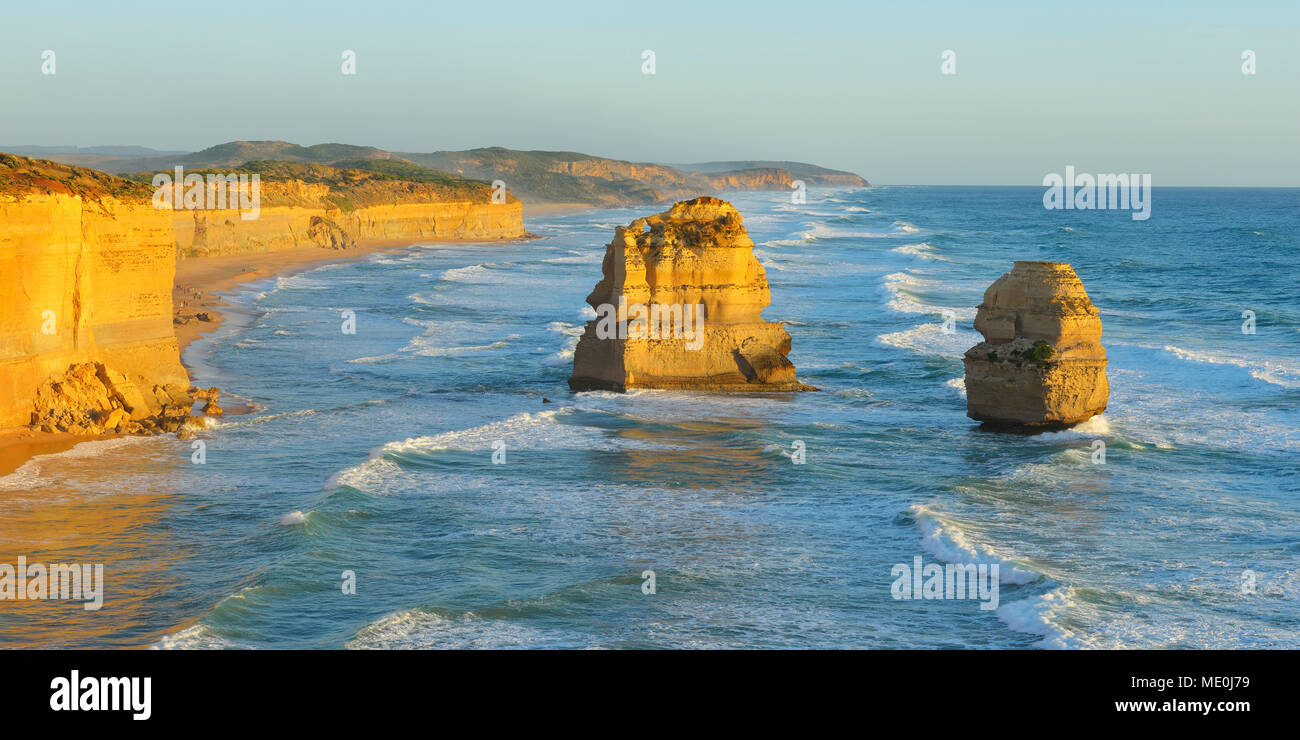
92 399
1042 363
695 260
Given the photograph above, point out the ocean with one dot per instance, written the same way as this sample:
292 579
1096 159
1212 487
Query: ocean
370 461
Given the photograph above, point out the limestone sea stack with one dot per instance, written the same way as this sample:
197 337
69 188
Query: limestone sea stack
680 307
1041 364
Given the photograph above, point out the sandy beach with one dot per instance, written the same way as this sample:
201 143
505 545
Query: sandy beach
197 310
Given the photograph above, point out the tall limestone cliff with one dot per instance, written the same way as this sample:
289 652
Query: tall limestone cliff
680 307
86 266
87 262
1042 363
306 205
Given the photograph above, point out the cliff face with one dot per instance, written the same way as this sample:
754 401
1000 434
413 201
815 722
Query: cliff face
754 179
694 261
303 205
85 277
1042 363
87 262
612 169
213 232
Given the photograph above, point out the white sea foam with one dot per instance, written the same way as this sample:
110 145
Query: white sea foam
943 537
196 637
1095 427
572 334
26 477
932 339
784 243
924 250
768 261
902 287
468 274
418 629
1041 615
34 472
560 358
262 419
292 518
301 281
1283 374
536 430
616 395
569 330
424 345
906 227
959 384
578 257
822 231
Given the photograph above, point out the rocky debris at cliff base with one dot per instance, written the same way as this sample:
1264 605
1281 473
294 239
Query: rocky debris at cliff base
325 233
1042 365
694 261
762 363
90 399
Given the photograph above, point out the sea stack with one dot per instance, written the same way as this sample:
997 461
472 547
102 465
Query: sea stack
680 308
1041 364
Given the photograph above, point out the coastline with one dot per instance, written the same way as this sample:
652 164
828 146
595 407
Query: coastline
196 289
199 280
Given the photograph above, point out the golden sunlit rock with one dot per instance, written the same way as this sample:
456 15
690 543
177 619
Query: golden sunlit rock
694 264
1042 363
86 266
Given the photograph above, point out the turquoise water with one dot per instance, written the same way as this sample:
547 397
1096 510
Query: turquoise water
372 452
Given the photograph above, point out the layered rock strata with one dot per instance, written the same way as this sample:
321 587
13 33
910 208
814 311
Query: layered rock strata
86 266
336 212
679 307
1042 364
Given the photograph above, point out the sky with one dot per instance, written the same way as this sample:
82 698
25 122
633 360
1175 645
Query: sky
1142 87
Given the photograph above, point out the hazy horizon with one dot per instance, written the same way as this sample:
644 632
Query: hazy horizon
670 164
1108 88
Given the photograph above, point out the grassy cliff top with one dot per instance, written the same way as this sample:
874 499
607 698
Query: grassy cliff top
351 184
20 176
